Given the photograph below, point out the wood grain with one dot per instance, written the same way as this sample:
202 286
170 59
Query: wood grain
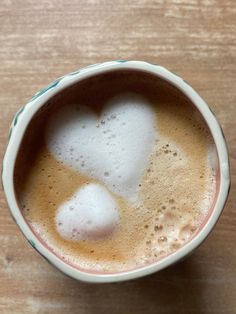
41 40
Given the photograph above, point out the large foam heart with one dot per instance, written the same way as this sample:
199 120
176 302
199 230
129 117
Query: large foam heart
113 148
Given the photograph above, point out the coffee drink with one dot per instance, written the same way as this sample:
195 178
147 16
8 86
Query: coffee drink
116 172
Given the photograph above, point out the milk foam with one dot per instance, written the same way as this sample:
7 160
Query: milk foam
212 158
113 148
91 213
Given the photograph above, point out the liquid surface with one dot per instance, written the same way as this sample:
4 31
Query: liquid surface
143 186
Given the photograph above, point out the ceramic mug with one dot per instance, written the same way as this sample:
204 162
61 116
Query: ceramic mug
26 113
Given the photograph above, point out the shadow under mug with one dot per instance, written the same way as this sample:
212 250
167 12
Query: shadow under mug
26 113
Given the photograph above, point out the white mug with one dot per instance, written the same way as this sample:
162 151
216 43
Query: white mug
26 113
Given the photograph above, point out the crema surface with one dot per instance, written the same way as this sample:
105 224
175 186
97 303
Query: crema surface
116 172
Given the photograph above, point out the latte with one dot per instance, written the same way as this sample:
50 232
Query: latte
116 172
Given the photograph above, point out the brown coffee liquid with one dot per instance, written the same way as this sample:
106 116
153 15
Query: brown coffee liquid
175 192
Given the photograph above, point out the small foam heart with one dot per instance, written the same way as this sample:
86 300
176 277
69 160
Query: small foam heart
91 213
114 148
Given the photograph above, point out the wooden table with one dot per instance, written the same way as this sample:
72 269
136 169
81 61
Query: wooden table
41 40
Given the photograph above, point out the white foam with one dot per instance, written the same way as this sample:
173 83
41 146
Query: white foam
113 148
90 214
213 158
210 185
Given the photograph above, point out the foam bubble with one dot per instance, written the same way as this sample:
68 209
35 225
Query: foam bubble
186 232
91 213
120 146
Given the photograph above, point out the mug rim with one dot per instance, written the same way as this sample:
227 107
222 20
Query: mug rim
20 124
